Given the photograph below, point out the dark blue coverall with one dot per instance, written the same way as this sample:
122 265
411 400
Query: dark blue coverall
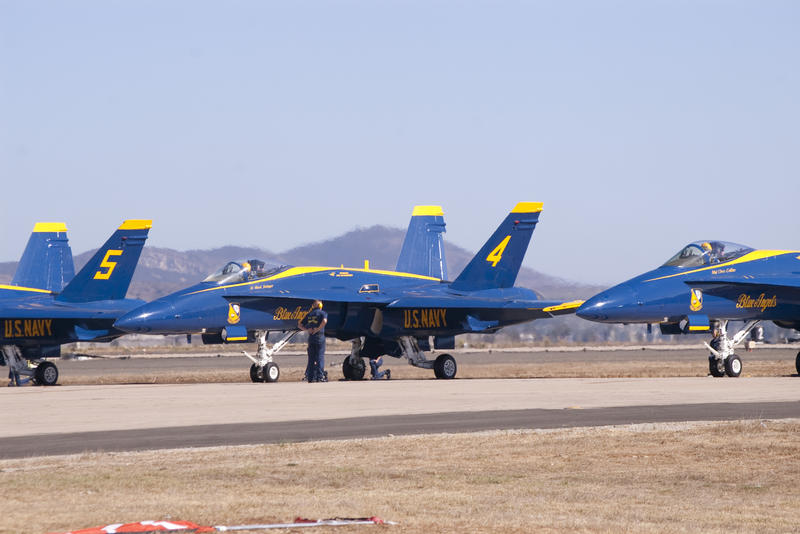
315 370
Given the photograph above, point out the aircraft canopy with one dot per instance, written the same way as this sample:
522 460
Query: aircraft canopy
702 253
245 270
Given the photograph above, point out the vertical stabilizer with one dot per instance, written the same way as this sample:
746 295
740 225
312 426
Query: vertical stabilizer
47 260
108 274
497 264
423 247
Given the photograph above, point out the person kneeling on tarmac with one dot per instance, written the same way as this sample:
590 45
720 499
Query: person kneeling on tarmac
374 365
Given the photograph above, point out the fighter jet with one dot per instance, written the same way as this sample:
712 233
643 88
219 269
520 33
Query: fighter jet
47 305
381 312
701 288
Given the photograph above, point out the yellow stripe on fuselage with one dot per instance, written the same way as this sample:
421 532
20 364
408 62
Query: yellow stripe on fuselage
565 306
297 271
20 288
751 256
528 207
50 227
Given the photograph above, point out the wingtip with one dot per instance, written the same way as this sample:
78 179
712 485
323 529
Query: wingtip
571 305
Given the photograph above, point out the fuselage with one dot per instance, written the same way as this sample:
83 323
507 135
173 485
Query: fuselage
742 288
32 317
358 302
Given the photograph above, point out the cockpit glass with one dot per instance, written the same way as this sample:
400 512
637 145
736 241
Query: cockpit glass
244 271
701 253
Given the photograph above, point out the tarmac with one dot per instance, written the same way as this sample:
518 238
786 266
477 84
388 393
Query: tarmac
74 419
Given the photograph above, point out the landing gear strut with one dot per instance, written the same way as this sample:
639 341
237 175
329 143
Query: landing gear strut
444 367
263 368
353 367
722 360
44 373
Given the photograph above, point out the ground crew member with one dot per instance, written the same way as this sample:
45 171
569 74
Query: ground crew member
314 325
374 365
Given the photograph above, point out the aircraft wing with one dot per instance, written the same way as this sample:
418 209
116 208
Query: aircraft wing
42 310
547 308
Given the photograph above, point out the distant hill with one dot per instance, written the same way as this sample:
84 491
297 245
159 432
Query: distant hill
163 270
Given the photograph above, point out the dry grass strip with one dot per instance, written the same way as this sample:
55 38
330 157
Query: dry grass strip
698 477
401 371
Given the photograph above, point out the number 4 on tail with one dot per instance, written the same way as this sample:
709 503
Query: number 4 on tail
495 255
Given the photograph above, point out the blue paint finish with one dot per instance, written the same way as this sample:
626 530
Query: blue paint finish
37 320
744 284
46 262
381 306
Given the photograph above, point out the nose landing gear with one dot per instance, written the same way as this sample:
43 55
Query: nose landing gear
723 361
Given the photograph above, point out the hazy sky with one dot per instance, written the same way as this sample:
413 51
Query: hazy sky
640 125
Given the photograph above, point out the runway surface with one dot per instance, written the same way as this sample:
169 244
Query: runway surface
70 419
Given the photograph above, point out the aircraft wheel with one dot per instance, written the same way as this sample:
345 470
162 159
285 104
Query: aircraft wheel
445 367
353 372
46 374
271 372
733 366
797 363
714 368
256 373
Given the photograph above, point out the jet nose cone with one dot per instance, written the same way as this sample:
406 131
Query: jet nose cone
146 319
610 306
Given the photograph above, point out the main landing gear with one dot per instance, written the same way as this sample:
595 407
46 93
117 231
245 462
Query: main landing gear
263 368
722 360
444 366
44 373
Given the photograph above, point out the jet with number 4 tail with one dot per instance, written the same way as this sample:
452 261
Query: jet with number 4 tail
47 305
394 313
701 288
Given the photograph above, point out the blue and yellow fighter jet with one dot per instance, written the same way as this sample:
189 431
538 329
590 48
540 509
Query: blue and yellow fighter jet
701 288
381 312
47 305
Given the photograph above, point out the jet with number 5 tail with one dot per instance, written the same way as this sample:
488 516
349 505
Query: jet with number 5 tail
393 313
701 288
47 305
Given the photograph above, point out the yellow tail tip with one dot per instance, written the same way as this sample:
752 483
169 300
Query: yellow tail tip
137 224
427 210
528 207
50 227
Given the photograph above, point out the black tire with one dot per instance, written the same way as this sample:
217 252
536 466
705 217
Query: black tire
353 372
256 373
271 372
46 374
797 363
733 366
445 367
714 368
